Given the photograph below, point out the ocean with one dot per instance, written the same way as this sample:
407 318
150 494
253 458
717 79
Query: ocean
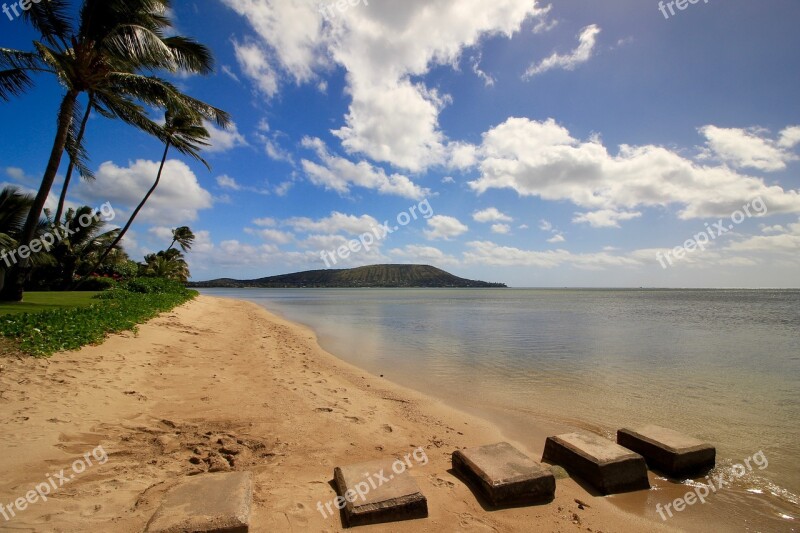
720 365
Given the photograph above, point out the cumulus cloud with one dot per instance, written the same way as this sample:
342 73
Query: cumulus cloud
541 158
176 201
444 228
255 64
336 223
501 229
743 148
221 140
340 174
489 253
416 254
605 218
587 41
382 47
491 214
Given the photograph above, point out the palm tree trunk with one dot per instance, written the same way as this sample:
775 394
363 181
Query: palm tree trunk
135 212
15 278
62 199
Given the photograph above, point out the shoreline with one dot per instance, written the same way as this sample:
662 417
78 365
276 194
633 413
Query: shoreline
217 372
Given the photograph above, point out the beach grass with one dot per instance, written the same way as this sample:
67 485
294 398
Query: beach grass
45 332
36 302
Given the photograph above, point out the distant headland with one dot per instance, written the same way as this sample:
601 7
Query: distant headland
375 276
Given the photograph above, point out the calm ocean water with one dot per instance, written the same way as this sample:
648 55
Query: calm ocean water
722 365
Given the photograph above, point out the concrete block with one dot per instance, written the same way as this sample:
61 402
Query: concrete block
608 467
208 503
505 475
378 494
671 452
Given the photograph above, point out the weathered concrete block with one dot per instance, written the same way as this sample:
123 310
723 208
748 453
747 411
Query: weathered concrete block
608 467
671 452
375 493
218 503
505 475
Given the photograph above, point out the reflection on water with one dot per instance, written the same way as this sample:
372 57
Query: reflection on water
721 365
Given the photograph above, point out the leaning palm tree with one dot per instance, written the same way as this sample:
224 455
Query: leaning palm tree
184 237
113 42
183 130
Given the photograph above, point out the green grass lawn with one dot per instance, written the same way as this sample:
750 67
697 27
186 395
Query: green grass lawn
34 302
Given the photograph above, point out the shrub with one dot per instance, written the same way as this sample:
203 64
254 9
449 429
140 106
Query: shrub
117 309
97 284
153 286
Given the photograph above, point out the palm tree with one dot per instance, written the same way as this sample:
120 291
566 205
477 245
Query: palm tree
14 207
114 40
168 264
184 237
185 131
80 249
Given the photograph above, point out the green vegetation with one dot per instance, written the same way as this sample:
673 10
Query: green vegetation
69 328
109 52
384 276
36 302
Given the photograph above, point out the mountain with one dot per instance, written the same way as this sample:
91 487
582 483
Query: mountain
384 276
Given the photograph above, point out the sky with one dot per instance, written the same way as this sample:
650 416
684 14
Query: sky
621 143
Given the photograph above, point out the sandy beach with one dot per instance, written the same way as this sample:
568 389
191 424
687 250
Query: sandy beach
222 384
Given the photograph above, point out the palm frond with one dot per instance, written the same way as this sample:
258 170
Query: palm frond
51 19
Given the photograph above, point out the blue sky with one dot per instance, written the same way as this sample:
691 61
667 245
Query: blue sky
572 144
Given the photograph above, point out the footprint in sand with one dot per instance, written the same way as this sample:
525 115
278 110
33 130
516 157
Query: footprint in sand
354 419
323 410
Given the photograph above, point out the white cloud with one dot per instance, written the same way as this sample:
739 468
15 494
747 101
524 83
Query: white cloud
176 201
337 222
448 180
265 222
501 229
382 47
223 140
489 253
751 148
272 235
604 218
475 62
444 227
491 214
254 63
229 183
583 53
557 238
229 72
340 174
429 255
542 159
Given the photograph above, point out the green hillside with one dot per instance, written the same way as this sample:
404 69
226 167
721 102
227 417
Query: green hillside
384 276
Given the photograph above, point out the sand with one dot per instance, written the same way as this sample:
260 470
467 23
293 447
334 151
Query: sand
221 384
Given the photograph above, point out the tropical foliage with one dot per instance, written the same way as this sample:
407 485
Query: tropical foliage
111 54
